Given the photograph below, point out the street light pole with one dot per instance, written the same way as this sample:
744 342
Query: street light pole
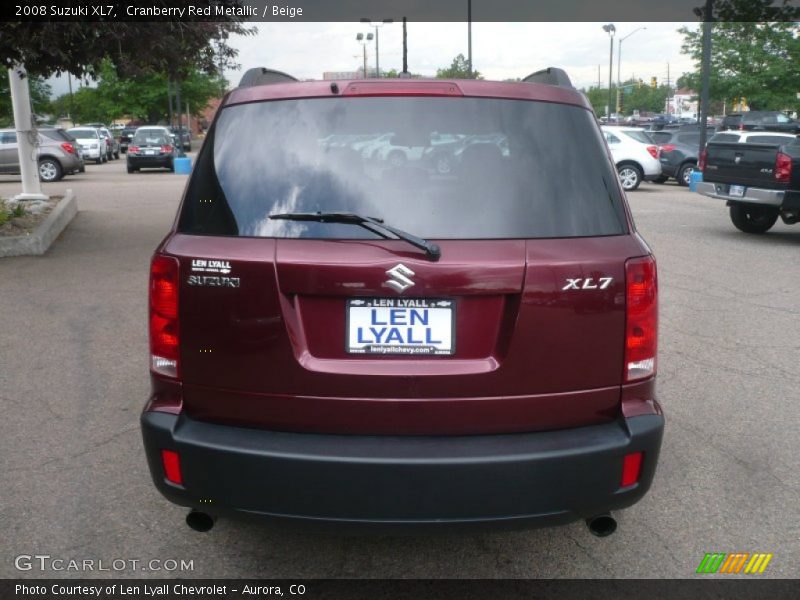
377 43
619 65
610 30
469 36
362 39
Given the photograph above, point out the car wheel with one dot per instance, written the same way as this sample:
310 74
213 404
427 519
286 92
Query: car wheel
99 160
171 166
130 169
630 176
685 174
82 169
116 155
396 158
753 219
49 170
661 179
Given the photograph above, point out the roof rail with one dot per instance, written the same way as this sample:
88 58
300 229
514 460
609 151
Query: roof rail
264 76
550 76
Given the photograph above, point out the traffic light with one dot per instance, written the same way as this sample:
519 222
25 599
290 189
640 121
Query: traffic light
653 82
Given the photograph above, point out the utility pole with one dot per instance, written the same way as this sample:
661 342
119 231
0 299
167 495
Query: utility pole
27 146
469 36
169 102
705 77
405 50
69 82
598 77
610 30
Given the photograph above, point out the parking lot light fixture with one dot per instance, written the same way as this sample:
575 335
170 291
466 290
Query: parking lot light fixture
619 64
610 30
377 27
363 39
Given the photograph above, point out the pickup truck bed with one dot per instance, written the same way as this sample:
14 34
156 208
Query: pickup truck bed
759 182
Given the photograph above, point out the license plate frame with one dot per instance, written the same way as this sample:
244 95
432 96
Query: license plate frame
440 312
736 191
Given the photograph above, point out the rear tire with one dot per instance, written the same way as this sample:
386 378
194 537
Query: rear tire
50 170
685 174
131 169
116 155
396 159
753 220
99 160
661 179
630 176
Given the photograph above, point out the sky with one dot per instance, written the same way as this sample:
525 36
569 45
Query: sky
499 50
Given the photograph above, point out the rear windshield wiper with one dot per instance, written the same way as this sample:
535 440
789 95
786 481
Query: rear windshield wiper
432 251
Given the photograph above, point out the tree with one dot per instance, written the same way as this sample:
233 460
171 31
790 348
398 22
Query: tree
757 60
173 45
40 98
458 69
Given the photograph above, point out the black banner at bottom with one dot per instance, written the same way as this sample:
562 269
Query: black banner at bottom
346 589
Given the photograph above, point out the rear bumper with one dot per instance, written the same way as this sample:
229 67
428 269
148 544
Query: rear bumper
516 480
752 195
149 161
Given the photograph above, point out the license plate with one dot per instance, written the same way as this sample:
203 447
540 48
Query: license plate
410 326
150 152
737 191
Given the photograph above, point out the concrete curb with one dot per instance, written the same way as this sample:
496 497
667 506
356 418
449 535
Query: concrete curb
40 240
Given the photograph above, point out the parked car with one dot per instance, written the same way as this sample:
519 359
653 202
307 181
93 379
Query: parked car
112 145
760 120
678 154
93 144
758 177
151 147
182 137
125 137
753 137
635 155
332 343
58 153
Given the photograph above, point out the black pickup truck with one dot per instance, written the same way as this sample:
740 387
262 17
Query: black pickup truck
759 180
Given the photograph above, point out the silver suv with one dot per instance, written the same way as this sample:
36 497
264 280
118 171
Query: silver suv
59 153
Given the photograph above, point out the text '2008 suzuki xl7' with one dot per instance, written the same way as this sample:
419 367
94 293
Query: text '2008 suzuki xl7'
407 303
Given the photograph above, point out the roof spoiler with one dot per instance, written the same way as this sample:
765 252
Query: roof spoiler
550 76
264 76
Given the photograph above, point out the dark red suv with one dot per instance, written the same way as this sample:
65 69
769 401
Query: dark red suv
342 331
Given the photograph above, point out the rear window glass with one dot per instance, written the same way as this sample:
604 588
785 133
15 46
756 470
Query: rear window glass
639 136
83 134
689 138
150 137
769 139
660 137
445 168
58 135
725 137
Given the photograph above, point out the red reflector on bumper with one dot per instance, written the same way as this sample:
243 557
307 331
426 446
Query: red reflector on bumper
631 468
172 466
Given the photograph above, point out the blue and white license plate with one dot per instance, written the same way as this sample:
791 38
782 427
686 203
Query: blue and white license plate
737 191
410 326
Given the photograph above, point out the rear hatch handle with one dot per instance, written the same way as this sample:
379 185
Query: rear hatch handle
432 251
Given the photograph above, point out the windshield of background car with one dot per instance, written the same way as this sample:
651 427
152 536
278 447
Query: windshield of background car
442 168
83 134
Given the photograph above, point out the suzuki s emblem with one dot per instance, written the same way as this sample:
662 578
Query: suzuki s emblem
400 278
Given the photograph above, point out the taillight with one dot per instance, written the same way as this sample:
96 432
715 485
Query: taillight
164 340
68 148
653 150
171 462
701 162
783 168
668 148
631 468
166 149
133 149
641 318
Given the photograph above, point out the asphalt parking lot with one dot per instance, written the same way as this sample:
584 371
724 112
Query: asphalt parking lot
73 378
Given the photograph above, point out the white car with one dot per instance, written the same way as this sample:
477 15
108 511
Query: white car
635 155
93 143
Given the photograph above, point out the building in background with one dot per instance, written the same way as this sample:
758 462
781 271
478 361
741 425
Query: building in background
683 103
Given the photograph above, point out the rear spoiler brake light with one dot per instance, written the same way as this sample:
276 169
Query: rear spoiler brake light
402 88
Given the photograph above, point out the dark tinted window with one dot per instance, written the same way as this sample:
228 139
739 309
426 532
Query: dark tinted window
689 138
58 135
769 139
661 137
725 137
437 167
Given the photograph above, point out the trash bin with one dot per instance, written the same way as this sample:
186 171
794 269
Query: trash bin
696 177
183 165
